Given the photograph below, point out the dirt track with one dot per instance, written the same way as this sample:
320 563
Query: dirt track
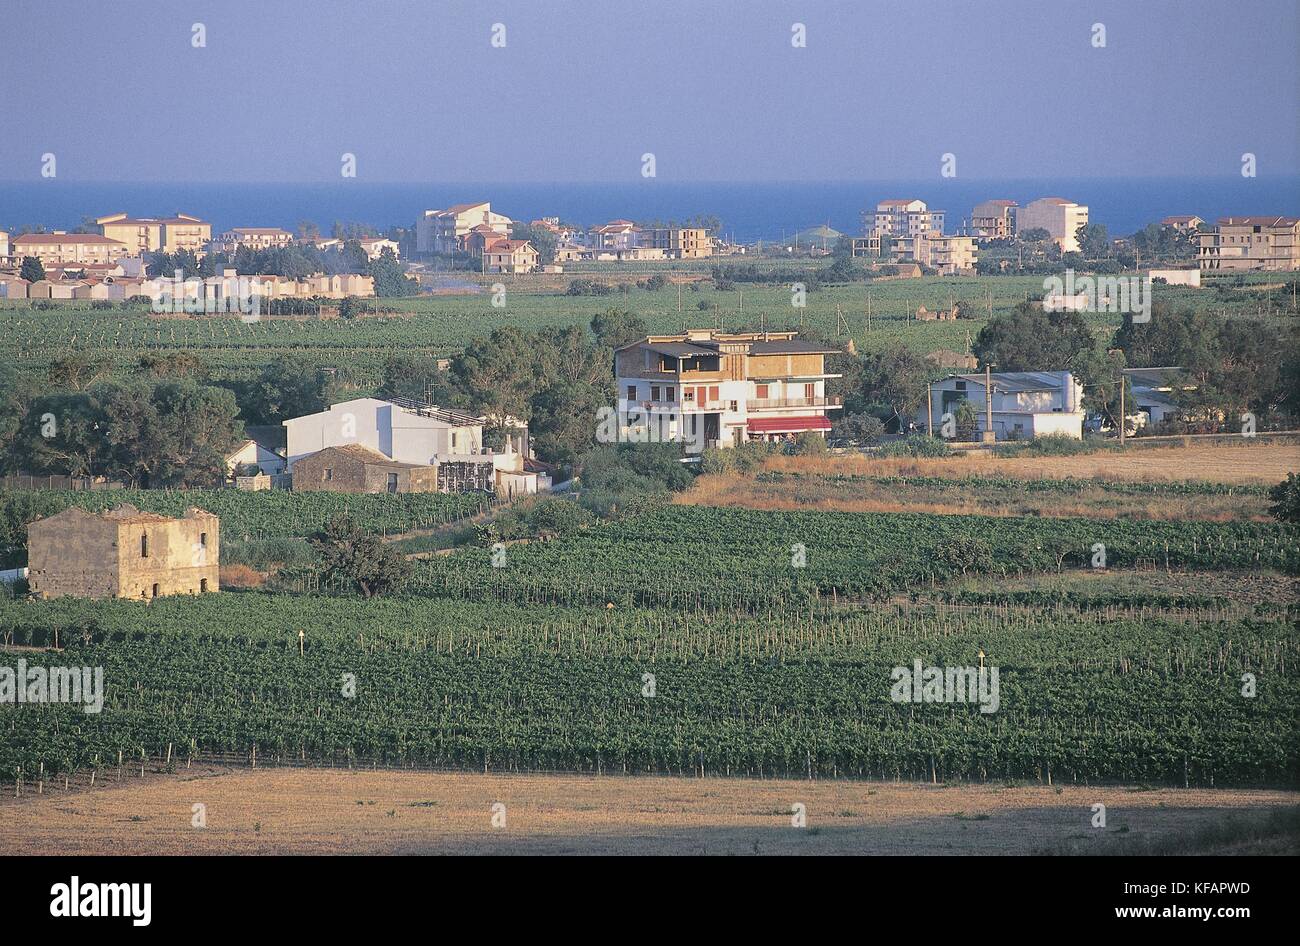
290 811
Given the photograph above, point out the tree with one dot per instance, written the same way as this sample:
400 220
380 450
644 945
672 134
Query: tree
1094 241
563 424
390 276
365 561
1029 339
33 270
896 377
543 241
181 364
862 429
965 553
78 371
288 387
1286 499
416 376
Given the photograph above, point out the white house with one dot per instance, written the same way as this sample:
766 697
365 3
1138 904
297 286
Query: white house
1153 393
251 453
410 432
1025 403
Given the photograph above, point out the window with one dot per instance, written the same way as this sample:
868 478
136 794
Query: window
155 590
328 474
453 441
144 546
203 585
631 392
668 393
760 391
810 391
713 393
203 540
654 392
392 482
688 394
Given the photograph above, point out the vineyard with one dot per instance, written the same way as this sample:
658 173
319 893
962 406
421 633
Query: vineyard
268 514
760 667
502 688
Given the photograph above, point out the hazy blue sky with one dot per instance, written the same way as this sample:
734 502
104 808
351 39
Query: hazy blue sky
713 88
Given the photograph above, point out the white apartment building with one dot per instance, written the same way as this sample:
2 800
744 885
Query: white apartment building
949 255
444 231
902 218
61 247
1061 218
257 238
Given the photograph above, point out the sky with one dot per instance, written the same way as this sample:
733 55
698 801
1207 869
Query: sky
714 89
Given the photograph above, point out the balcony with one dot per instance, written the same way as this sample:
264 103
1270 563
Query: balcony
777 403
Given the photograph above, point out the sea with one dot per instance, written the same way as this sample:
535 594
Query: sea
748 211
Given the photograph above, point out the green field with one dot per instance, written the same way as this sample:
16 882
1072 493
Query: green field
443 325
759 668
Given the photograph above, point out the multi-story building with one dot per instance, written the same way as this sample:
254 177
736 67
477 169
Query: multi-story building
405 435
60 247
123 553
444 231
950 255
153 234
4 244
510 256
710 388
678 242
1245 243
615 235
1061 219
1182 222
993 220
901 218
256 238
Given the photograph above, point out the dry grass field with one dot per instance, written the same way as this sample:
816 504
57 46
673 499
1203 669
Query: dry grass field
1261 463
816 486
289 811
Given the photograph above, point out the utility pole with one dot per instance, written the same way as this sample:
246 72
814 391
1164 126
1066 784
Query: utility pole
929 408
989 436
1123 419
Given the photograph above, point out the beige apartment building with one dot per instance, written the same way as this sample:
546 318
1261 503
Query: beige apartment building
678 242
993 220
256 238
152 234
60 247
1061 219
1246 243
949 255
123 553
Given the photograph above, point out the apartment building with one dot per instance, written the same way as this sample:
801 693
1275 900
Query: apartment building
60 247
678 242
510 256
993 220
153 234
710 388
1246 243
4 244
1061 219
615 235
902 218
255 238
444 231
949 255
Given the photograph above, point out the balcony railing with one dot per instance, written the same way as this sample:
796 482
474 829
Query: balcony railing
777 402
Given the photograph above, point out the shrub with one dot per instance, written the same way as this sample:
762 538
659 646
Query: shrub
1286 499
965 553
916 445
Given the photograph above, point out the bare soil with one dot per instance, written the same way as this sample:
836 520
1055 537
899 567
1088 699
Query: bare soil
314 811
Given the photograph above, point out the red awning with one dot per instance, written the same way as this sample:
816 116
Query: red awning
784 425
